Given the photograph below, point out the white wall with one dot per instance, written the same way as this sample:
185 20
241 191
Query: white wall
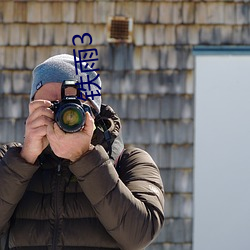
222 153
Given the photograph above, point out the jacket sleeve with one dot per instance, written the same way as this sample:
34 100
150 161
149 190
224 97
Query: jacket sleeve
15 174
129 205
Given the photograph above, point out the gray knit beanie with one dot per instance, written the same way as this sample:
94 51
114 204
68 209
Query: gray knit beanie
62 67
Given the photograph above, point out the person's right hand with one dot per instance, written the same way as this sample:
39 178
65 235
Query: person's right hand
35 141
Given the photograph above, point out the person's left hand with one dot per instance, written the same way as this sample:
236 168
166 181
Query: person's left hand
71 146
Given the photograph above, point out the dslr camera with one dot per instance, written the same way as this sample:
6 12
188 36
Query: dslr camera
70 112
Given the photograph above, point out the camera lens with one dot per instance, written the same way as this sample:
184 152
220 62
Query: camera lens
70 117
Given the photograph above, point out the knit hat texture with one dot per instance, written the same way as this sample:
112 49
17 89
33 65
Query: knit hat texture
62 67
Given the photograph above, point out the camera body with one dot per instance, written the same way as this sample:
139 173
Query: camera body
70 112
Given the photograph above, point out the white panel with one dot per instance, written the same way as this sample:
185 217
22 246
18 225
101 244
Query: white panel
222 153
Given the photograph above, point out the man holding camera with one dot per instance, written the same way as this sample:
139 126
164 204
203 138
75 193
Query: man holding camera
75 189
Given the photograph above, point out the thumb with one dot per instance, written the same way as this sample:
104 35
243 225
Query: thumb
50 129
89 124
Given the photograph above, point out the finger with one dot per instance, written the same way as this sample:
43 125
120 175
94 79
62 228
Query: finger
38 122
38 132
54 133
41 111
58 131
89 124
50 130
38 103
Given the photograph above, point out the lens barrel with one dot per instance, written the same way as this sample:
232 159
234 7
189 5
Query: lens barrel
70 117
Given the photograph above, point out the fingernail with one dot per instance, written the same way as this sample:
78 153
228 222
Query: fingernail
47 102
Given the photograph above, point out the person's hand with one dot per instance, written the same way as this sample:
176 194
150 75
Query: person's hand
71 146
35 141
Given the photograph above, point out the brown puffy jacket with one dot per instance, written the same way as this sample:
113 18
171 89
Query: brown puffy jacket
94 203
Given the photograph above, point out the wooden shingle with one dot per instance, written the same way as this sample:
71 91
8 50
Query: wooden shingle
182 206
180 230
78 29
60 34
246 35
4 37
20 12
185 58
48 34
149 34
154 12
47 14
7 131
99 37
183 181
153 107
35 34
102 10
68 12
226 34
119 57
150 57
85 12
1 12
137 58
105 55
158 84
8 54
42 53
123 8
34 12
143 107
168 205
229 13
188 12
7 10
237 34
170 35
201 13
182 34
206 35
19 57
176 107
164 150
141 84
215 13
163 60
138 34
116 78
168 178
189 82
170 12
156 131
6 84
193 34
159 34
242 13
133 103
30 55
171 58
57 12
143 12
183 132
12 106
181 156
21 82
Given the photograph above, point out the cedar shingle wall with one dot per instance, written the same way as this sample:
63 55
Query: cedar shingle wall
150 83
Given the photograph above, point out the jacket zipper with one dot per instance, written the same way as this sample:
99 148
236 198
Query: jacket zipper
56 232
